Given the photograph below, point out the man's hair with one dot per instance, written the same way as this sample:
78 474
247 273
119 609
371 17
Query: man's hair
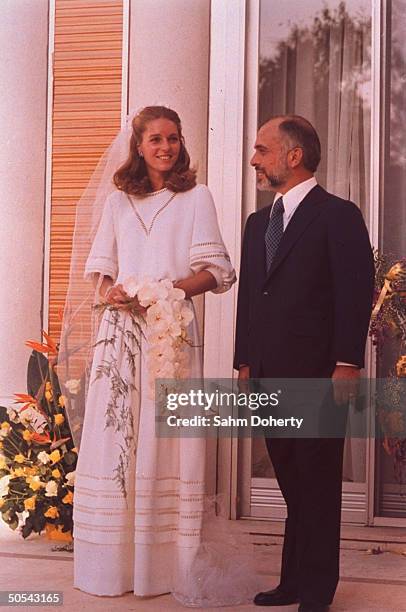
301 133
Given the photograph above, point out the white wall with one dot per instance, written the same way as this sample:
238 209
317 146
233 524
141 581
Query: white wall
23 67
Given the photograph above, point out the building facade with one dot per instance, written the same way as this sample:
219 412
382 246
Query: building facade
76 68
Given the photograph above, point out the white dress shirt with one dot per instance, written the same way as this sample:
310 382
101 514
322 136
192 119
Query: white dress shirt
293 197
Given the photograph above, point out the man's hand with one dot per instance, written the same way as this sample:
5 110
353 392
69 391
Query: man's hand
243 377
244 372
345 381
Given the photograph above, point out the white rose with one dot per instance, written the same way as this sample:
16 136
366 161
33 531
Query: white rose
43 457
131 286
70 478
51 489
4 485
73 385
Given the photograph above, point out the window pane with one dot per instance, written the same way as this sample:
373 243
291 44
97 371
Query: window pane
315 61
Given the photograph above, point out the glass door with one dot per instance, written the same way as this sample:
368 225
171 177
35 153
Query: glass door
390 455
313 58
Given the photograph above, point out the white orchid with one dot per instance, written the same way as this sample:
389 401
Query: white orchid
176 294
73 385
159 317
183 313
131 286
166 318
161 353
4 485
51 489
152 292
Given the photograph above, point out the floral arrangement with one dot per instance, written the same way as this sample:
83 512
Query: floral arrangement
167 317
388 321
37 457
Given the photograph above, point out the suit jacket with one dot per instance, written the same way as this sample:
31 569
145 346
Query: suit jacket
313 307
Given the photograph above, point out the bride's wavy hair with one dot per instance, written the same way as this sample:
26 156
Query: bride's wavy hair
132 176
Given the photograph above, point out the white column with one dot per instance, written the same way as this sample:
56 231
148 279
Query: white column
169 55
23 66
169 65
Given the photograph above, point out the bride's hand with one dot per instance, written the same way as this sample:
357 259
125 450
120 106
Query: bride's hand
117 297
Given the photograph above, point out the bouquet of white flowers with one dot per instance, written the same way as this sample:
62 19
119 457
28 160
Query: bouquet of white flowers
167 317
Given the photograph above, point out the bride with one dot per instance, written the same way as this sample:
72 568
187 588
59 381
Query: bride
140 500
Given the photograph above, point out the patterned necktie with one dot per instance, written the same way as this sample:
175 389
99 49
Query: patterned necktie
274 232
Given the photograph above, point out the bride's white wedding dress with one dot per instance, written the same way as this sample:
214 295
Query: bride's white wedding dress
140 501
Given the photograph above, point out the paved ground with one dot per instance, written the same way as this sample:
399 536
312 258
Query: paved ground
370 583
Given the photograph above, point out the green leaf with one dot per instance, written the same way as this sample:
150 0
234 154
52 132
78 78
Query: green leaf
70 458
27 529
38 521
37 372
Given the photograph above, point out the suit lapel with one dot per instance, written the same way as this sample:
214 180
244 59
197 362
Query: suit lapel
304 214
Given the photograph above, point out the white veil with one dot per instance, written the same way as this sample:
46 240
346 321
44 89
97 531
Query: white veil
79 324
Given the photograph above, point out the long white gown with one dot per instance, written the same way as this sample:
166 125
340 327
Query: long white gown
139 499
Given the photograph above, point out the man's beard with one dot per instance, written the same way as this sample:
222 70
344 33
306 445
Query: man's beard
271 182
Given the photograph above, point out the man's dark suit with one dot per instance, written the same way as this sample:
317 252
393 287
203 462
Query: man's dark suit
310 311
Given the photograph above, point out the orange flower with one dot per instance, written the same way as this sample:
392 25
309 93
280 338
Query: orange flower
68 499
27 435
29 504
55 456
52 512
44 347
41 438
